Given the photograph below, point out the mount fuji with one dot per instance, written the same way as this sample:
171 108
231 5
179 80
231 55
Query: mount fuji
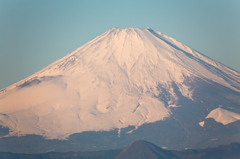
124 85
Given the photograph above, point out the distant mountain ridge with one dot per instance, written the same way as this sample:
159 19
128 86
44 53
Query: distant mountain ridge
139 150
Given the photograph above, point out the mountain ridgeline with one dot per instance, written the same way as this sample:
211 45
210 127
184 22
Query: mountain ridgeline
139 150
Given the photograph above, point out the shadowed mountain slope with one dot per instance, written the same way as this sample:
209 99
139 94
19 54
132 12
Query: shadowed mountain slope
144 150
138 150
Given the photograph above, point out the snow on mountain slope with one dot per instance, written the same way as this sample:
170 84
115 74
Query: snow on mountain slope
110 82
223 116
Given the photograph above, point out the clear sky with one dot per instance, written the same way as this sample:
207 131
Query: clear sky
35 33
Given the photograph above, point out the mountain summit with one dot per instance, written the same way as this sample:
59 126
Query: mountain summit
124 77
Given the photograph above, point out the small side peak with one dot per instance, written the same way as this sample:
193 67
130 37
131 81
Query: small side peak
148 28
129 28
114 29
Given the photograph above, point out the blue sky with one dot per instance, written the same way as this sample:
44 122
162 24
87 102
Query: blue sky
35 33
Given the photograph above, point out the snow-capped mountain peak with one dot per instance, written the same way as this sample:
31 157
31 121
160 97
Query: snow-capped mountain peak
114 81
